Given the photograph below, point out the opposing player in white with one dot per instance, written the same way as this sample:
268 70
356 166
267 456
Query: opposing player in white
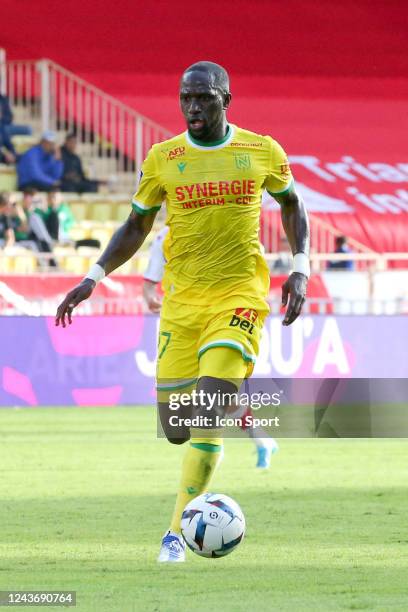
265 445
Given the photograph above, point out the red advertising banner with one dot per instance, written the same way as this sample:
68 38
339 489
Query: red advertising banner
39 294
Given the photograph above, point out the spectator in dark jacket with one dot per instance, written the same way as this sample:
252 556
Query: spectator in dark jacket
8 154
6 120
341 247
41 166
6 116
74 178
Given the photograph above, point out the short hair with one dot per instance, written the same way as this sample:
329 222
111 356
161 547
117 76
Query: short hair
70 135
218 73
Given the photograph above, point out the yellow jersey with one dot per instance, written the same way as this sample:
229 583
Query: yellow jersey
213 198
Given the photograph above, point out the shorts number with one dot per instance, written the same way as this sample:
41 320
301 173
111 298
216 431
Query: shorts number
164 339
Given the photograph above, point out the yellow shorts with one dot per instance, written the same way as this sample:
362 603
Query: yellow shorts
188 334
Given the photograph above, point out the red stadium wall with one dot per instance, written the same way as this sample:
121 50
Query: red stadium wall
363 38
327 79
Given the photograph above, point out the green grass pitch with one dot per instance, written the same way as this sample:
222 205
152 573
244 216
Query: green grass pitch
86 494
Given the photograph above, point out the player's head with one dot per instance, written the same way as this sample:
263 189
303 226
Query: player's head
204 98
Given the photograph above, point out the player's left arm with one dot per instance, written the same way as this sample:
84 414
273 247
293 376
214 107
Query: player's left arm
296 225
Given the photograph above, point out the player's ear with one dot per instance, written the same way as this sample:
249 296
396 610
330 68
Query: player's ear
227 100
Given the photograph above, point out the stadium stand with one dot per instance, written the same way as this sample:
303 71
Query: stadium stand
351 186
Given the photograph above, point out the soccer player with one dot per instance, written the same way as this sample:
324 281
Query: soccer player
216 279
265 445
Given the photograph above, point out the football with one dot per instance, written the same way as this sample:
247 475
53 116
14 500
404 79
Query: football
212 525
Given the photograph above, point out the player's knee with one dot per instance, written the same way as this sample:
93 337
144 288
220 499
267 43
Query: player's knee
218 394
177 440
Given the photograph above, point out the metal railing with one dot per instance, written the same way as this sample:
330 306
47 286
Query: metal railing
369 301
322 237
59 100
116 138
375 262
104 306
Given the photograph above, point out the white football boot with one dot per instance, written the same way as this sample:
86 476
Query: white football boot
173 548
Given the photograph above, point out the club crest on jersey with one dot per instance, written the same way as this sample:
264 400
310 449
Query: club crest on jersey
244 318
242 161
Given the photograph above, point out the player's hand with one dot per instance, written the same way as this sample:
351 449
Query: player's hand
152 299
77 295
293 288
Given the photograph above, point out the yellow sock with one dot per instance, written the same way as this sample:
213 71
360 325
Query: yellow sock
199 463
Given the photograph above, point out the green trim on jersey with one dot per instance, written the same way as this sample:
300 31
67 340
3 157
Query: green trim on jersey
286 190
215 143
211 146
205 446
227 344
144 211
175 386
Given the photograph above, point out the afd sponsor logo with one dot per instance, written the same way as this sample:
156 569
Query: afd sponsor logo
244 318
176 153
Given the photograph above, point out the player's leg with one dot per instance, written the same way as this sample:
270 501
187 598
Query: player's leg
172 419
177 368
241 329
226 354
205 449
265 445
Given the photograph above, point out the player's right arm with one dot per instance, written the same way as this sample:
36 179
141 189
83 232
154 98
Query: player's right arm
125 241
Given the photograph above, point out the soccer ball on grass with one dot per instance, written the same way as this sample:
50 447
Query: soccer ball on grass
212 525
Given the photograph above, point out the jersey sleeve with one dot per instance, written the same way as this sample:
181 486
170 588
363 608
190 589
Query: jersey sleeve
279 179
150 193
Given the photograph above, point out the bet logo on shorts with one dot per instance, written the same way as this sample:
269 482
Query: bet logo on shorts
244 318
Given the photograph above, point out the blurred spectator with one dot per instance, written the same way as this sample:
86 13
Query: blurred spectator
48 212
7 238
19 224
73 178
341 246
57 216
36 228
8 154
6 120
41 166
284 263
